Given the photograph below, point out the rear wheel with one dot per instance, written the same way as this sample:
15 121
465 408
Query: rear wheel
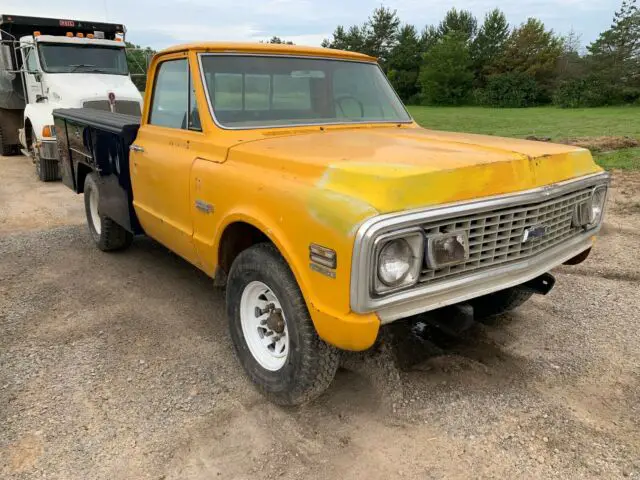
106 233
271 329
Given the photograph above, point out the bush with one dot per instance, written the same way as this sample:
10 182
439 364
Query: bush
592 92
509 90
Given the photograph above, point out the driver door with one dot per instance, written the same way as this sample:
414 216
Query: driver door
31 74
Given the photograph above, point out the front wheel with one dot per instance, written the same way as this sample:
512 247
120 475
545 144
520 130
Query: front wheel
271 329
106 233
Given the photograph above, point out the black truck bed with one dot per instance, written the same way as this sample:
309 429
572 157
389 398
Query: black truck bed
96 141
117 123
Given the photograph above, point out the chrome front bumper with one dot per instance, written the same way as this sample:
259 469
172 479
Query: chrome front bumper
49 150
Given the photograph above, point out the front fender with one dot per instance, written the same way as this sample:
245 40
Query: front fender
38 115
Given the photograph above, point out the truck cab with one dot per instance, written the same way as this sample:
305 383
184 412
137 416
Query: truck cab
80 67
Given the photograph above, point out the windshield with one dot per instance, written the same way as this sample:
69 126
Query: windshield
63 58
262 91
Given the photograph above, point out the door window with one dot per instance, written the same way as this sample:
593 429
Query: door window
32 65
169 106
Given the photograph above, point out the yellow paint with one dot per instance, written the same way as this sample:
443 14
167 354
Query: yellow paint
303 185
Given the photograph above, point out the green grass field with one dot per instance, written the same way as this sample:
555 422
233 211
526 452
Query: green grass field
543 122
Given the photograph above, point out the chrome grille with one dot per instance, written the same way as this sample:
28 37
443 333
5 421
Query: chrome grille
495 237
128 107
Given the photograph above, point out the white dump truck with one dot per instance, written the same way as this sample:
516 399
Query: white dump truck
50 63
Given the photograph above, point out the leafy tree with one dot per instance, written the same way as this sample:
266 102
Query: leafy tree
381 33
138 59
279 41
489 45
404 63
376 37
615 55
462 22
429 37
533 50
446 77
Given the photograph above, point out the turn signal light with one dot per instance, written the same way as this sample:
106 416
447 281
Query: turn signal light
80 35
48 131
89 35
69 34
36 34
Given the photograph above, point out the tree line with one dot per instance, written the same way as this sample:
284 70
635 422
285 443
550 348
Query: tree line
461 61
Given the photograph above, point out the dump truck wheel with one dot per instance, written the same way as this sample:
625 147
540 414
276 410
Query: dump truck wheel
271 329
5 148
106 233
47 170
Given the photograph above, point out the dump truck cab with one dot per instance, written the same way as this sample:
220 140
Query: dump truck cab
58 64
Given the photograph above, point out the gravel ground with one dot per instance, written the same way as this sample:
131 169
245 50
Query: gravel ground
120 366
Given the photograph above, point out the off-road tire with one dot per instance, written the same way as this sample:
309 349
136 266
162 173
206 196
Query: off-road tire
488 307
47 170
112 236
311 363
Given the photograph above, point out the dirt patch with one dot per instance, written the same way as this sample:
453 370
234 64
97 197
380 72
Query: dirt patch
595 144
119 366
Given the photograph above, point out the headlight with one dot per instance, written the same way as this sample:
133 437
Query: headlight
399 261
447 249
589 213
395 262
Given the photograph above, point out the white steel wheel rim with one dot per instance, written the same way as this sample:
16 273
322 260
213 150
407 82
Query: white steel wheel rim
266 337
93 211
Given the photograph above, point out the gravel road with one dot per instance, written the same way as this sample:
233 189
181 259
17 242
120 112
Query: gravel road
119 366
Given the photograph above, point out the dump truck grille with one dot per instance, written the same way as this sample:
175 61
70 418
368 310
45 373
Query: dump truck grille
128 107
497 237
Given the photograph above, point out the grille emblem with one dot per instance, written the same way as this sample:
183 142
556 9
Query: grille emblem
537 231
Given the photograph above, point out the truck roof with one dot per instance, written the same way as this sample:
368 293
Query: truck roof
18 26
269 48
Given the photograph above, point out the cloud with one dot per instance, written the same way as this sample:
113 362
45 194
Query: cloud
160 23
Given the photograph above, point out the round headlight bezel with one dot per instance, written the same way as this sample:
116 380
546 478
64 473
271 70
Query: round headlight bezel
407 257
415 238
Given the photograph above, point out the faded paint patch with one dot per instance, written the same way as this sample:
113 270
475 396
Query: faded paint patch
360 188
340 212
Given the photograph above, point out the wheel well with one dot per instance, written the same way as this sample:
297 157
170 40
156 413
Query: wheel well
28 131
81 174
236 237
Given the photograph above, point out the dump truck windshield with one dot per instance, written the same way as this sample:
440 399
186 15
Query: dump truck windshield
64 58
261 91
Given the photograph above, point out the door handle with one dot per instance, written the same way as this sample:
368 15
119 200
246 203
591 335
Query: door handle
136 148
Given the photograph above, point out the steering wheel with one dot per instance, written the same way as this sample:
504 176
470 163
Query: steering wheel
341 98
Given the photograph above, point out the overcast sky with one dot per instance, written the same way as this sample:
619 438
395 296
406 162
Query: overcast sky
160 23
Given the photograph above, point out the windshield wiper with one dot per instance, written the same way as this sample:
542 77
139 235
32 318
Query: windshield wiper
76 66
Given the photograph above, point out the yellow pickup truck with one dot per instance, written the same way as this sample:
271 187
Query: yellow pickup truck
296 178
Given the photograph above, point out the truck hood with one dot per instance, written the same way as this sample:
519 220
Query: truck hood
359 172
72 89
